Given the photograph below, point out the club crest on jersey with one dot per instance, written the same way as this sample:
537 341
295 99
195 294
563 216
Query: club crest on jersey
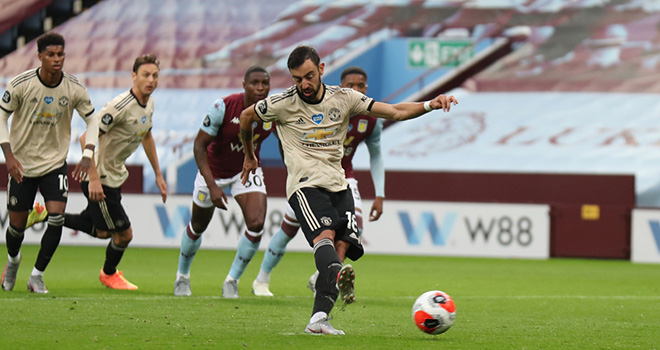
317 118
362 126
6 97
49 99
207 121
144 119
64 101
267 125
106 119
335 114
263 107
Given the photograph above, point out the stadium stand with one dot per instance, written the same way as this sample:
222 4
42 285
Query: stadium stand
572 46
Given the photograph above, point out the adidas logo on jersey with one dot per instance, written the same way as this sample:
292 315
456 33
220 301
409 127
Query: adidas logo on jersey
235 120
300 121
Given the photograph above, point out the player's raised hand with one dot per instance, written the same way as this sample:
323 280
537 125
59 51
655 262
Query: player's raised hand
443 102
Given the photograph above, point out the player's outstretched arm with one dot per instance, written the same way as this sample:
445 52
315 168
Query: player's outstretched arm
250 164
149 146
410 110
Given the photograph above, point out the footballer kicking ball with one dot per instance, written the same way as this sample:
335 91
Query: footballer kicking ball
434 312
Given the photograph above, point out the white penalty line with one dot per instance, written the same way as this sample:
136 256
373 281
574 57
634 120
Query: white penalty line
49 297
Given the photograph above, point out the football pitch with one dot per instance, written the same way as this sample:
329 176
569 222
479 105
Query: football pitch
501 304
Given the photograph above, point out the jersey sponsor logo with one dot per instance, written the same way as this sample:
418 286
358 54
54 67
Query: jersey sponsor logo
300 121
239 147
263 107
334 114
6 97
144 119
326 221
107 119
207 121
236 147
319 134
362 126
63 101
317 118
49 99
235 120
363 98
46 117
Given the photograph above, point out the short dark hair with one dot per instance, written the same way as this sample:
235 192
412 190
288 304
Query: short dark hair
353 70
253 69
144 59
301 54
49 39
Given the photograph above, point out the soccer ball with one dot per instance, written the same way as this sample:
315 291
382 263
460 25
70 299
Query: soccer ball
434 312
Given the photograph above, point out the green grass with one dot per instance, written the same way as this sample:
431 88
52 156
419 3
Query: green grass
501 304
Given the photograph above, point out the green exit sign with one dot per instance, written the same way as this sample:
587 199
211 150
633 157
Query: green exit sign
428 53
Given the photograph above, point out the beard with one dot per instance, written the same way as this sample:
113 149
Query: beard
312 97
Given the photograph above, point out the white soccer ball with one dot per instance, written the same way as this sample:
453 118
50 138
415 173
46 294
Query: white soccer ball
434 312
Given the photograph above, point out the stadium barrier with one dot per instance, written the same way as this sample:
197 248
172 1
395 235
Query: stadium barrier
424 213
589 213
645 245
443 229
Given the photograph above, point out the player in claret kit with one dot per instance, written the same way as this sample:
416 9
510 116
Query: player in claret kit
219 156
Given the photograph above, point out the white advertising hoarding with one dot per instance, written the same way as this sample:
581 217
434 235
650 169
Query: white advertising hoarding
645 242
406 227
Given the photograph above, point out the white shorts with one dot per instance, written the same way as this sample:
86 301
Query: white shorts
201 195
357 200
